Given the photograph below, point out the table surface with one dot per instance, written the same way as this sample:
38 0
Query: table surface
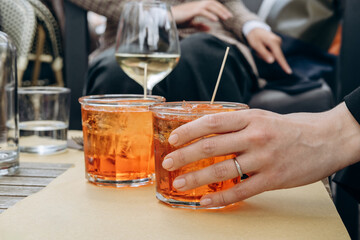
31 178
71 208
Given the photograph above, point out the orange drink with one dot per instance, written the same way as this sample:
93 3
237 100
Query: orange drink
118 139
167 117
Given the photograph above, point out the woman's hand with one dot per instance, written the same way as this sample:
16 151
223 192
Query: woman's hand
268 46
276 151
185 13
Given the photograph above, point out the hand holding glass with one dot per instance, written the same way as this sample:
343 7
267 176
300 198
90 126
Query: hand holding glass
167 117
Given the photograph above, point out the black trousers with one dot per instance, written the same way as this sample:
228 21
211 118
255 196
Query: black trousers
194 77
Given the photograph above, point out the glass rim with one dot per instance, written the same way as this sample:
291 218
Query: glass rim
118 100
43 90
172 108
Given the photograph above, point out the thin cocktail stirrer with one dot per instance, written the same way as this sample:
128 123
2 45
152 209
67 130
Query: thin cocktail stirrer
219 77
145 80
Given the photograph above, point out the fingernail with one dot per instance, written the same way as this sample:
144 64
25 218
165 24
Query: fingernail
205 201
270 60
179 183
173 139
168 163
289 71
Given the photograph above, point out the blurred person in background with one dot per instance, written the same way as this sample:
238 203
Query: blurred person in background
205 28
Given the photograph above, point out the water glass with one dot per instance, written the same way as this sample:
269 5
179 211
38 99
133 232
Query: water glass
44 119
9 133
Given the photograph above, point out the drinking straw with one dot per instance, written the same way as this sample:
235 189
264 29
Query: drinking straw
219 77
145 80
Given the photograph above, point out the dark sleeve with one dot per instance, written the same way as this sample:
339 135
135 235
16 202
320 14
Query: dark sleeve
352 102
349 177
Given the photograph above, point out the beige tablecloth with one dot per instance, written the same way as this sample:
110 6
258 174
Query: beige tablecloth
71 208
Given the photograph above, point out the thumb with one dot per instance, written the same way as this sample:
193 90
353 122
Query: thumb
241 191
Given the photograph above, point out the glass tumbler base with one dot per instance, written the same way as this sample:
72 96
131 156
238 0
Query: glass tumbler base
94 179
44 150
182 204
9 162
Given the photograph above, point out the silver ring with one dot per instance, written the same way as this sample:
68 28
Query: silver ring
238 168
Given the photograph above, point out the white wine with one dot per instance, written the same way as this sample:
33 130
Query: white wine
159 65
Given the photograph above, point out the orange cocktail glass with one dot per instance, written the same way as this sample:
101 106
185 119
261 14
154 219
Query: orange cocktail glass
118 139
167 117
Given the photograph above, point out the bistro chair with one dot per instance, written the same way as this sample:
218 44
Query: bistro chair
36 36
18 20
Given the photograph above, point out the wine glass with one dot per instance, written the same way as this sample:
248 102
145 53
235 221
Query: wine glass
147 42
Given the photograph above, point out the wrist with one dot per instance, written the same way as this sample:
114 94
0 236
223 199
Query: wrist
346 134
251 25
